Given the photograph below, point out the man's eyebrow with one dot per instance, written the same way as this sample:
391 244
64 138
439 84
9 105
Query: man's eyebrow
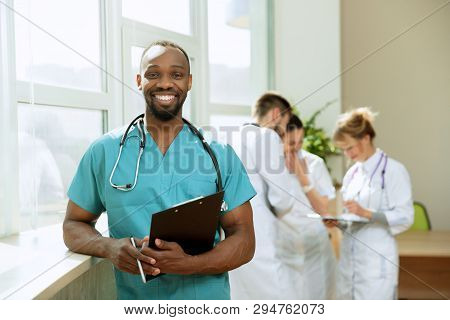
178 66
152 66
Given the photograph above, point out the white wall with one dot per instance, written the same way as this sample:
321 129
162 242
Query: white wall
307 58
408 83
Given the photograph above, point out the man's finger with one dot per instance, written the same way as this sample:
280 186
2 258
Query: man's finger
164 245
135 253
129 267
140 242
149 269
145 258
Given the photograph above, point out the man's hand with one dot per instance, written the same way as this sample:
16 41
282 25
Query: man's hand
123 255
170 257
354 207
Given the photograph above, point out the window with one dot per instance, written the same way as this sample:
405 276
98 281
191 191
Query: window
68 75
65 98
173 15
52 141
238 60
41 58
229 53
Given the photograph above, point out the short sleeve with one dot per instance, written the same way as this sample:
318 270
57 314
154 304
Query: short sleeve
86 189
236 183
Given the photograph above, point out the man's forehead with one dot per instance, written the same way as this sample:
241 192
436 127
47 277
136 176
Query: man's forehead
154 53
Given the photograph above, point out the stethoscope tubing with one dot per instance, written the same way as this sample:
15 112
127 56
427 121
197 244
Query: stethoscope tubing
383 180
139 120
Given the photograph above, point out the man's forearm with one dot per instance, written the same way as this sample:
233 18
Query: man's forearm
82 237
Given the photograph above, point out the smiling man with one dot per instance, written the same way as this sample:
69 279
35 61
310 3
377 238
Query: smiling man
174 167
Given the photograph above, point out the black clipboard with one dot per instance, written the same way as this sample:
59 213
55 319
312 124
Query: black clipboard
192 224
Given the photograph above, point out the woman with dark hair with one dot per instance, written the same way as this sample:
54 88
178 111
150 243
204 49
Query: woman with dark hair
312 244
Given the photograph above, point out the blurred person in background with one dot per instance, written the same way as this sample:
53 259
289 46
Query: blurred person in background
377 189
259 146
319 263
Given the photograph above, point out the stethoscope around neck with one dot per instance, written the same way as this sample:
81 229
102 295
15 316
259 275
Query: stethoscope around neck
139 123
384 157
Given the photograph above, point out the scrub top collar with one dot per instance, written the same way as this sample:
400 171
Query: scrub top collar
151 141
369 165
182 129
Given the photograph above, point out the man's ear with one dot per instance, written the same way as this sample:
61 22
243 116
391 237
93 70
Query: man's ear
275 113
138 81
190 82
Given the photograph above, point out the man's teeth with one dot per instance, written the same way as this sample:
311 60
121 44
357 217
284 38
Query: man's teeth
165 98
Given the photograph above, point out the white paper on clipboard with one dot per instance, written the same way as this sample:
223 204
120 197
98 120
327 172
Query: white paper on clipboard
345 217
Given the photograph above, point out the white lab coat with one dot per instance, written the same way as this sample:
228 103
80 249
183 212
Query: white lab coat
368 266
319 174
267 276
318 269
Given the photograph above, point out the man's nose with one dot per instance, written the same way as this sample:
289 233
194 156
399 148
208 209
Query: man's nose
165 82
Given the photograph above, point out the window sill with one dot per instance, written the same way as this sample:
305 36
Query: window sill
37 264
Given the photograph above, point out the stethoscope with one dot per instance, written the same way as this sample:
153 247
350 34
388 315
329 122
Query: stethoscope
384 157
139 123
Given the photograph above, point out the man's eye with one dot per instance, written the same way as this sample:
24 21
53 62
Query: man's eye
177 75
152 75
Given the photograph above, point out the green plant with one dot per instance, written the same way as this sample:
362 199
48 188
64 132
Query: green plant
316 140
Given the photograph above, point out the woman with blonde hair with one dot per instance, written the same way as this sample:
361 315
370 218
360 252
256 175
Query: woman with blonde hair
376 188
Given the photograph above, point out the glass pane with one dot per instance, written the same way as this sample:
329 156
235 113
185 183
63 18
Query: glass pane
229 52
136 98
172 15
41 58
52 141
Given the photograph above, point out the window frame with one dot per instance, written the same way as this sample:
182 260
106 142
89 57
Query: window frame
9 170
14 91
106 99
116 36
259 67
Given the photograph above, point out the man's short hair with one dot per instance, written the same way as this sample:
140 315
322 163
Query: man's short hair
165 44
269 101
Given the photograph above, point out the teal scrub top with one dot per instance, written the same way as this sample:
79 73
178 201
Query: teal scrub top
186 171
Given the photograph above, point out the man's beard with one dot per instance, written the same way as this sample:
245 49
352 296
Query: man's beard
162 113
